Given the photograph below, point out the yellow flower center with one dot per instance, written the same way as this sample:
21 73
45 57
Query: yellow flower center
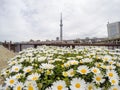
84 71
81 62
110 67
98 65
12 81
35 78
16 69
105 59
96 57
111 74
74 62
104 67
111 62
28 70
30 87
72 73
48 72
95 71
60 87
62 65
90 87
18 76
115 88
77 85
13 62
98 78
65 74
19 88
67 65
113 81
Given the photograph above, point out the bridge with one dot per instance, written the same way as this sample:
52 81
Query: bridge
16 47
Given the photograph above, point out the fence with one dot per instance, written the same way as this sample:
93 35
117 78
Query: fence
16 47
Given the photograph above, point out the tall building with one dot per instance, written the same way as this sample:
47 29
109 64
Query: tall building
61 32
113 30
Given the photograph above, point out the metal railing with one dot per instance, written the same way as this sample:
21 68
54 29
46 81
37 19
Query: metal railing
16 47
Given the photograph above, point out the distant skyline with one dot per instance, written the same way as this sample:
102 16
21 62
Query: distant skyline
22 20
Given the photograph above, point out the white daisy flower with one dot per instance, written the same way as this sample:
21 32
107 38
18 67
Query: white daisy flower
112 74
98 64
114 81
11 81
17 76
65 74
51 61
95 70
59 85
116 87
115 57
16 68
97 57
90 86
73 62
106 58
46 66
104 66
118 64
66 64
28 69
71 73
33 76
30 85
49 88
40 59
77 84
21 60
83 70
18 86
98 88
111 67
31 59
49 72
58 59
79 57
111 62
29 54
98 78
4 72
10 63
87 60
5 87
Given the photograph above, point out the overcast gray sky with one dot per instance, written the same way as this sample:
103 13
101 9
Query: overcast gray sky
22 20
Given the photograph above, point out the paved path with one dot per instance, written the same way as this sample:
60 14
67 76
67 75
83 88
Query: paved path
5 55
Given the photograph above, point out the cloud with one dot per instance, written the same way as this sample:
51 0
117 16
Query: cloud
22 20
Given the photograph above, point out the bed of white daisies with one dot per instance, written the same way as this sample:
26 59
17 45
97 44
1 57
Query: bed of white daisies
62 68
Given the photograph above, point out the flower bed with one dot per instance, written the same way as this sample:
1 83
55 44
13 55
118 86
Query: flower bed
61 68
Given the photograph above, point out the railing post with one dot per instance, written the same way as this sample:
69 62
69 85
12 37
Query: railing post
9 45
113 47
5 42
35 46
20 47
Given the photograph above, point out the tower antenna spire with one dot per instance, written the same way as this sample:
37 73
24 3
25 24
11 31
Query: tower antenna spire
61 25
